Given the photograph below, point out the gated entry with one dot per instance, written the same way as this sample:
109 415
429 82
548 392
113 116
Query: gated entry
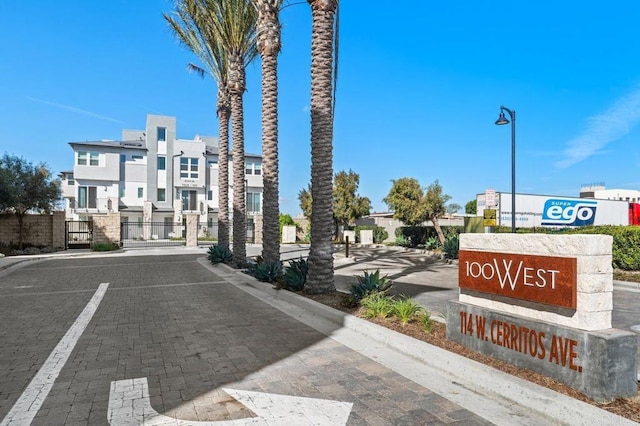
78 234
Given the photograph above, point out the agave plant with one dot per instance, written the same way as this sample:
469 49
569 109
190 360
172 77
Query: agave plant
295 275
267 271
370 283
219 254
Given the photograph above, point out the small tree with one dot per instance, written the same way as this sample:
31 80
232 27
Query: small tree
347 204
413 205
304 196
435 206
25 187
471 207
453 208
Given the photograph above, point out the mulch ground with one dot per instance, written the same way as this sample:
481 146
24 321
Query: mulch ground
625 407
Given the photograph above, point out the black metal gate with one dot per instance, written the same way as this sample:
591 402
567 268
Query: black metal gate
78 234
151 234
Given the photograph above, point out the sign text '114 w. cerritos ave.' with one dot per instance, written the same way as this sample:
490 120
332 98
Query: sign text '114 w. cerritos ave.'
542 279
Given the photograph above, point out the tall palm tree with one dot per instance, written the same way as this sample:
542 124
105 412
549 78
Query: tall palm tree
236 33
322 91
193 28
269 44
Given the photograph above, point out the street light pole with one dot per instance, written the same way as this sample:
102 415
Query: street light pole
501 121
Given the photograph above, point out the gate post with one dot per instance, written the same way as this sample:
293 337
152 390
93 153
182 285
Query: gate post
192 229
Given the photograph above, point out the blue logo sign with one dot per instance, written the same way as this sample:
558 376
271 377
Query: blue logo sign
559 212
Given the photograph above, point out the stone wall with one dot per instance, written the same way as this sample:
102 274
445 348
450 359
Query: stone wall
106 229
37 230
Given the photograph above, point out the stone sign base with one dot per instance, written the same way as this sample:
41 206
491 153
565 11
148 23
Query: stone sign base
601 364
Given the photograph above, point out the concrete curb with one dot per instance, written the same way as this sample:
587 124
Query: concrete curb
544 404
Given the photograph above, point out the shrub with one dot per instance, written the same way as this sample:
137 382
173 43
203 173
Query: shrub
451 247
295 275
379 233
403 242
218 254
432 243
267 271
377 305
406 309
416 235
425 320
370 283
104 247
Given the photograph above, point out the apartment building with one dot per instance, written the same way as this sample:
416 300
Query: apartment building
152 176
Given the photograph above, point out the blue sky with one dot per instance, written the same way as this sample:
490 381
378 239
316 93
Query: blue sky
420 86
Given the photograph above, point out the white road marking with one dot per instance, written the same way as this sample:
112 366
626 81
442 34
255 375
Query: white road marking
129 405
27 406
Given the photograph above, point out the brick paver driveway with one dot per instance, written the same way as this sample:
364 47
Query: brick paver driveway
187 333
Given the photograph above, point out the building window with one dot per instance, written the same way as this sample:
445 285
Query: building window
87 197
188 167
123 158
209 195
71 180
162 194
140 192
254 202
88 158
189 200
122 192
212 162
162 134
252 168
162 162
136 157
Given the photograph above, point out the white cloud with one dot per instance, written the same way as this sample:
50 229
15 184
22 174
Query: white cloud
603 129
74 109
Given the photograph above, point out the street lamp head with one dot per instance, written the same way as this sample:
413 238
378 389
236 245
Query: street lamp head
502 119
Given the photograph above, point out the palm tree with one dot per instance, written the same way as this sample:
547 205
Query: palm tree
235 30
193 28
269 47
322 90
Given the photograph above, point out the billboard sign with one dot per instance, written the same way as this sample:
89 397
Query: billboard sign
568 212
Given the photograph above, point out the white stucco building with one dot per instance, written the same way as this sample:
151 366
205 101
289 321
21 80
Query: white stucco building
152 176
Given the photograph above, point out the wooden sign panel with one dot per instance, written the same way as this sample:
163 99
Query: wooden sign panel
542 279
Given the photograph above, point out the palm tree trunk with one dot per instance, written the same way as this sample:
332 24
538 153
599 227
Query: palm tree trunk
236 91
223 170
271 208
321 272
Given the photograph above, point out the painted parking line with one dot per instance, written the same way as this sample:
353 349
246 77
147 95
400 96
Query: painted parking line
129 405
27 406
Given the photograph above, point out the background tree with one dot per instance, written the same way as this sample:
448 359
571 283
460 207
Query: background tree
321 271
405 200
25 187
192 24
471 207
347 204
304 197
453 208
435 202
268 37
414 205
